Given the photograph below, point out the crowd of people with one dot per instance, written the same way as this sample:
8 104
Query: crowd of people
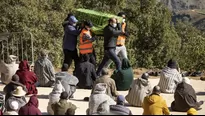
104 98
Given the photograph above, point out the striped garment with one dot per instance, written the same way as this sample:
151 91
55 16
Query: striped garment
169 79
139 89
44 71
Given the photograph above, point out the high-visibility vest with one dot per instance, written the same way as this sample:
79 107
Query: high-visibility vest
85 46
121 38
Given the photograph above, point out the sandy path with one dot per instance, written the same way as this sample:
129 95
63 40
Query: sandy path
82 105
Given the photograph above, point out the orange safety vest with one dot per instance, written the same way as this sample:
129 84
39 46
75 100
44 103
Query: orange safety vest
121 38
85 46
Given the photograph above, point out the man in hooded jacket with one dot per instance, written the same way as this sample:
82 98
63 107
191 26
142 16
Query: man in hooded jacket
139 89
31 108
44 70
27 77
185 97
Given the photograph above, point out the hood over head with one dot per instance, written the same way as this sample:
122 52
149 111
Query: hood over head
24 65
33 101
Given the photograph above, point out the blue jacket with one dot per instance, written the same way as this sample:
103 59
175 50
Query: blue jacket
70 37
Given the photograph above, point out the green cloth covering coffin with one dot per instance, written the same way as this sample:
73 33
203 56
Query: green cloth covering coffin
99 19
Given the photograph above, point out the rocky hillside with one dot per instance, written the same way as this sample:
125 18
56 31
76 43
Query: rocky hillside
176 5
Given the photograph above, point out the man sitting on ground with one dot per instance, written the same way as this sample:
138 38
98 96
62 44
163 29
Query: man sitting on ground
85 72
120 109
63 107
155 104
170 77
68 81
185 97
44 70
111 86
139 89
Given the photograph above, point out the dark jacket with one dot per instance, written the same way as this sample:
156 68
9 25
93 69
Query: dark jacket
86 74
9 88
31 108
63 107
120 110
184 98
110 35
124 77
27 78
70 37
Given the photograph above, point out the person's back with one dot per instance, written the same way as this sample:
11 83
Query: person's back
169 78
8 70
185 97
86 73
31 108
111 89
124 77
44 70
98 97
155 104
139 89
63 107
13 109
68 81
54 96
27 77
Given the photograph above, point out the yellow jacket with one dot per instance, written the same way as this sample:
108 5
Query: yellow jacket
155 105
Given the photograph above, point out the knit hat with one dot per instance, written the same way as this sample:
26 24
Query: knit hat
145 76
72 19
100 87
14 105
15 78
172 64
120 99
156 90
19 92
64 67
12 57
192 111
64 95
186 80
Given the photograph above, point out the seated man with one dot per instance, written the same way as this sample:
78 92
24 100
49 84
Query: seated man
8 70
170 77
44 70
120 109
27 77
68 81
111 87
185 97
17 95
99 97
54 96
155 104
9 88
139 89
85 72
31 108
124 77
63 107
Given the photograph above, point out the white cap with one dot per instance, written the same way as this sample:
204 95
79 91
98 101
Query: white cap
186 80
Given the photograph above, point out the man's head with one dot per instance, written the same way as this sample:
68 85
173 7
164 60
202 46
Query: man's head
44 53
15 78
145 76
172 64
120 100
88 25
156 90
122 14
64 67
64 95
113 22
